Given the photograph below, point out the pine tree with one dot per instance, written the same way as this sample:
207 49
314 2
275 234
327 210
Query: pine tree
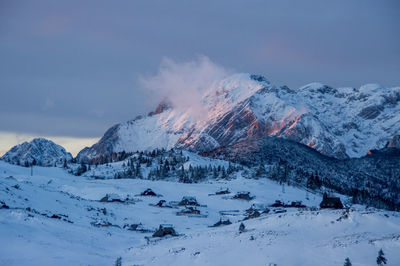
82 169
118 262
242 228
284 177
215 174
230 169
311 182
260 170
347 262
318 181
138 172
381 260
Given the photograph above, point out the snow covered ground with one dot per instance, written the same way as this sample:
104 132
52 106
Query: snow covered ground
55 218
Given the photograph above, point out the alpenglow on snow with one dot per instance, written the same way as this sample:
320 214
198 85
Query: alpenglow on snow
337 122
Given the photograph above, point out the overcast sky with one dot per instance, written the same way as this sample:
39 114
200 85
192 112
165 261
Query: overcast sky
71 68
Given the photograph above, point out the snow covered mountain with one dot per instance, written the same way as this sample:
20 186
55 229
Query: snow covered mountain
39 151
337 122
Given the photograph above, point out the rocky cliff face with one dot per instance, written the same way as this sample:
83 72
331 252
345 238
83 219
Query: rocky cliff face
337 122
394 142
39 151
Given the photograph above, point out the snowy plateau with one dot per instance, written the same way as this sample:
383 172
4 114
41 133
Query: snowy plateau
254 174
55 218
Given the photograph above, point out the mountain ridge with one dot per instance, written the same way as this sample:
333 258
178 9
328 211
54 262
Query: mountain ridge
337 122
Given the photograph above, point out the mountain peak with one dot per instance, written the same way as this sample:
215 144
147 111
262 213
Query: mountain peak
337 122
39 151
259 78
162 106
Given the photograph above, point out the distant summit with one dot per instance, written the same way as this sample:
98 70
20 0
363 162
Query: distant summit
39 151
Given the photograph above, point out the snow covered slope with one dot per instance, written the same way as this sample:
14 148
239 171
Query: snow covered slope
39 151
295 238
338 122
120 168
53 218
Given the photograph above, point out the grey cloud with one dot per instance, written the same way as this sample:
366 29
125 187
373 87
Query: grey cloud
183 83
